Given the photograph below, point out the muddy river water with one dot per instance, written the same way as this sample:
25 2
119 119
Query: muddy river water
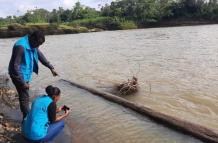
177 70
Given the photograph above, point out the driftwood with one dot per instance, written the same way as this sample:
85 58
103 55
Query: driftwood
129 87
203 133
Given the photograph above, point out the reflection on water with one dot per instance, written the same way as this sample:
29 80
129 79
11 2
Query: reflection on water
177 67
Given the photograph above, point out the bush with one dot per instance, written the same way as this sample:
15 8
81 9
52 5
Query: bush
53 26
2 25
82 30
35 27
128 25
106 23
62 26
90 23
70 29
15 26
113 23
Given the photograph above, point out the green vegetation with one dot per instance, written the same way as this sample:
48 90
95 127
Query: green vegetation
120 14
106 23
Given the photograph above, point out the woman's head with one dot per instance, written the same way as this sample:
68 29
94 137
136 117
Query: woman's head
53 92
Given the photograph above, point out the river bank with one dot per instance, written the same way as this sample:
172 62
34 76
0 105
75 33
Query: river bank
10 131
11 117
18 30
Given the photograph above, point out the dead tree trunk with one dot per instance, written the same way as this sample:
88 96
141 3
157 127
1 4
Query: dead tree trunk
203 133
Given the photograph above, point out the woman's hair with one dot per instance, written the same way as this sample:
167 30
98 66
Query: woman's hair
52 91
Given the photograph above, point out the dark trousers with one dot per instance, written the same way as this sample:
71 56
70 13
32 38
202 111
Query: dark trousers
23 96
53 130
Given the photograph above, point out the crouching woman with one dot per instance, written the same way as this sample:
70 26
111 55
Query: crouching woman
41 123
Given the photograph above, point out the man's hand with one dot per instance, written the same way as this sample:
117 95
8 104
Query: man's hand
54 72
26 86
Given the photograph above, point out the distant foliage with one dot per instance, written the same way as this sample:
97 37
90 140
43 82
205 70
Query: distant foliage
106 23
121 14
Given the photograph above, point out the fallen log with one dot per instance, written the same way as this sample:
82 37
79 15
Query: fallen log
203 133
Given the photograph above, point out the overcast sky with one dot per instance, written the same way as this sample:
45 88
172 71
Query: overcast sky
19 7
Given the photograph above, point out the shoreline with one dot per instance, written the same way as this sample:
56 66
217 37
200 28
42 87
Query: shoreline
52 29
11 117
19 32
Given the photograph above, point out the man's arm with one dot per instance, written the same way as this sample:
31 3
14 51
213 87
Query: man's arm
43 60
19 51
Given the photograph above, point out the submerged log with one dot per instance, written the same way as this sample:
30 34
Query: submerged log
203 133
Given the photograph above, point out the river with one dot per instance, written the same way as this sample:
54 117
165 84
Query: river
177 70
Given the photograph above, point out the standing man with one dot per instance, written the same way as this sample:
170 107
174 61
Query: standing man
24 61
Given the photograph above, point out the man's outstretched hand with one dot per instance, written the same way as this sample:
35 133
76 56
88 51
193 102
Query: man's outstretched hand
54 72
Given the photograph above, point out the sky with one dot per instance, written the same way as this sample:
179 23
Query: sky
19 7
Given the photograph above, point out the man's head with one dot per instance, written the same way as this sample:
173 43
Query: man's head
36 39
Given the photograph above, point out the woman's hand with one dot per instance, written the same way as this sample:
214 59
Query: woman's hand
62 116
67 113
59 109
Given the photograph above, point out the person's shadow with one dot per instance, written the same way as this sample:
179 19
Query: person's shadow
18 138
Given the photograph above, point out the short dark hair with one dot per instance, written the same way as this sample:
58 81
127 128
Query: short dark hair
52 91
37 36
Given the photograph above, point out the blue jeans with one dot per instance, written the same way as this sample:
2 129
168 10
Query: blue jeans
53 130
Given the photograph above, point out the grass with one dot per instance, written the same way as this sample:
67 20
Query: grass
128 25
90 22
80 25
77 26
106 23
37 24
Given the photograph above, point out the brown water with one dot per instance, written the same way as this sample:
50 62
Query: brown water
177 68
94 120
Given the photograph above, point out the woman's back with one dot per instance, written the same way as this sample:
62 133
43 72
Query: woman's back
41 123
35 125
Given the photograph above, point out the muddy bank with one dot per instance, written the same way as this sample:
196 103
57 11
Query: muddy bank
17 30
11 117
10 127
